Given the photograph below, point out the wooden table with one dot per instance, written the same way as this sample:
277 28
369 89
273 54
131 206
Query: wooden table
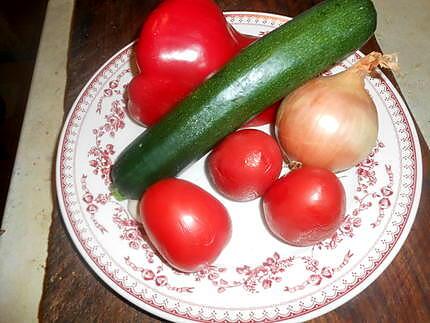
73 293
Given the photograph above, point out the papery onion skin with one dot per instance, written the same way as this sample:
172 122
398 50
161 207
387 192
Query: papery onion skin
329 122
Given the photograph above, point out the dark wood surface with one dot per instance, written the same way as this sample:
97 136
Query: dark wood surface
73 293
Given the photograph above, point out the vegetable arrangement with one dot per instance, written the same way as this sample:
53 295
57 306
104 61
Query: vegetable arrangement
258 76
202 109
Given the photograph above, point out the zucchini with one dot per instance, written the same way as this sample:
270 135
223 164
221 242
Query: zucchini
261 74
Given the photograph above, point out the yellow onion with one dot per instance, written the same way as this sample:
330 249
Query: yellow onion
331 121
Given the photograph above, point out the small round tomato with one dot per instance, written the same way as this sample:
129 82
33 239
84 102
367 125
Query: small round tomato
187 225
245 164
305 206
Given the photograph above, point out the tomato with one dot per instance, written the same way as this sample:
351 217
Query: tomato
305 206
245 164
268 115
187 225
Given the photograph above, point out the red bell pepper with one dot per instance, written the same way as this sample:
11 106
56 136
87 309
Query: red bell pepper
182 43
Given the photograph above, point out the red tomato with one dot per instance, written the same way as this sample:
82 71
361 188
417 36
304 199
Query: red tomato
267 116
305 206
187 225
245 164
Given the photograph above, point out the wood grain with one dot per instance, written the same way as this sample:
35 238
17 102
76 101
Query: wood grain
73 293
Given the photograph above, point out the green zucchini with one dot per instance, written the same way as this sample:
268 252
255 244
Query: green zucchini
261 74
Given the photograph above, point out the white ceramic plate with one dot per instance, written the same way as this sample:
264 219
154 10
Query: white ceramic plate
256 278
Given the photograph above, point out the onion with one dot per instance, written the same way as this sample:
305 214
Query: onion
331 121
